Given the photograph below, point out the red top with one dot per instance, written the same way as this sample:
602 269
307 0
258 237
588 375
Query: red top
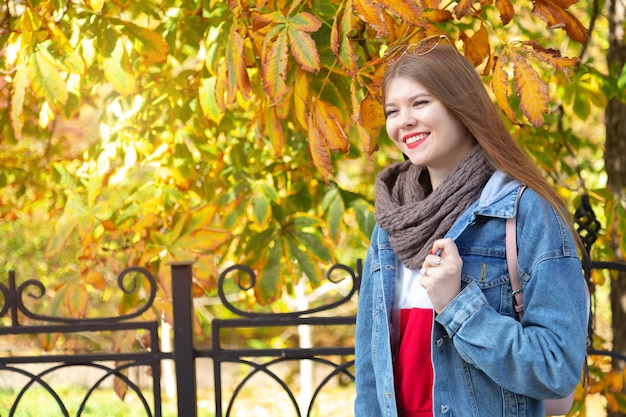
413 368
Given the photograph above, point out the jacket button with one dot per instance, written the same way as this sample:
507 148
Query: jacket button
388 394
444 409
439 342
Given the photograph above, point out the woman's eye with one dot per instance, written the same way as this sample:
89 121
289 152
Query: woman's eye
389 112
419 103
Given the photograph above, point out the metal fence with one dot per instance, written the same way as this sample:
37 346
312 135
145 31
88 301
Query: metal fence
339 360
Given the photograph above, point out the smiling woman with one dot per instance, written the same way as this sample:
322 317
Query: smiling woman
437 327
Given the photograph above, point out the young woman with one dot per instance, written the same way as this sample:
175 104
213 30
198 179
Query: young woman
437 332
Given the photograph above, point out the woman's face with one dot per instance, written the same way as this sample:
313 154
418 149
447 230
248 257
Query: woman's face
424 130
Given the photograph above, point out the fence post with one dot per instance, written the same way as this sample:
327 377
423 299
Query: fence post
184 357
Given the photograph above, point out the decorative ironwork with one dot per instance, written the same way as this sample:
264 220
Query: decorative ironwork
252 279
13 295
587 225
309 317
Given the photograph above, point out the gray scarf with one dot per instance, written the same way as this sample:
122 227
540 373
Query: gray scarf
413 215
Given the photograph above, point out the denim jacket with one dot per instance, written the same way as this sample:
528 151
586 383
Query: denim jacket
486 362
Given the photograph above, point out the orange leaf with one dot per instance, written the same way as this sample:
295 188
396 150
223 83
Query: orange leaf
551 56
532 91
431 4
304 49
340 42
437 16
275 67
236 67
372 116
320 154
263 20
558 18
328 124
500 86
476 47
368 143
406 10
93 278
371 13
462 8
505 7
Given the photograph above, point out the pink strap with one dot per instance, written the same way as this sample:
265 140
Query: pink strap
511 260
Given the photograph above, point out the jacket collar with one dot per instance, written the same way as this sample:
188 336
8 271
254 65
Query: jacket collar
496 200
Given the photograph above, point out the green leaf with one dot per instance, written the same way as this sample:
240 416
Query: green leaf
261 209
46 80
304 50
208 103
118 71
269 284
314 245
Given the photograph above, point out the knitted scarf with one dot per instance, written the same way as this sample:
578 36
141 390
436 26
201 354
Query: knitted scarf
413 215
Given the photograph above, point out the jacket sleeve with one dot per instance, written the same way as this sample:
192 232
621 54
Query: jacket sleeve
542 356
366 395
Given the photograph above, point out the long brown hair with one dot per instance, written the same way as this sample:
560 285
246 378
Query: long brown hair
450 78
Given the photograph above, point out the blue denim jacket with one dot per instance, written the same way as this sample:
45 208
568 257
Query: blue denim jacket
486 362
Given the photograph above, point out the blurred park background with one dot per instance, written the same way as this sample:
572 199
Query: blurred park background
140 133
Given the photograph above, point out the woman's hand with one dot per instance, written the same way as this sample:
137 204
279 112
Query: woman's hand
441 273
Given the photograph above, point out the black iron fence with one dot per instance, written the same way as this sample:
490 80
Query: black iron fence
338 360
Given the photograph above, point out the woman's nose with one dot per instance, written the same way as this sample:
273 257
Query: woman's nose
407 119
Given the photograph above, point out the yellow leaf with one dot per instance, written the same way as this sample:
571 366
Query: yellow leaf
301 97
406 10
320 154
476 47
95 5
328 124
46 80
75 301
370 12
274 131
532 91
505 7
18 91
558 18
304 49
237 80
206 239
274 68
118 71
148 43
500 86
71 60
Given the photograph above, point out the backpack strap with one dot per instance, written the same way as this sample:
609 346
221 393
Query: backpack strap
511 259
